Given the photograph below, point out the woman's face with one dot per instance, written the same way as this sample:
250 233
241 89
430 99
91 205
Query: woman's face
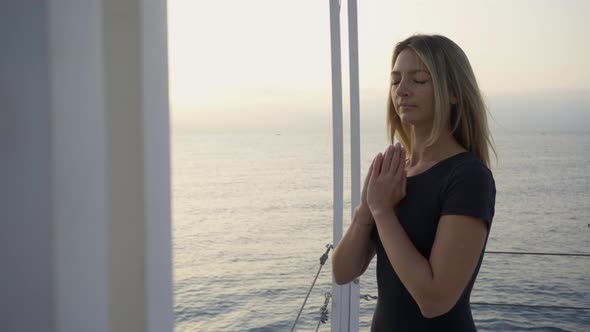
412 91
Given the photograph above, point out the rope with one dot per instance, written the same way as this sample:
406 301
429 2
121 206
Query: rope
324 311
324 308
536 253
372 297
322 261
530 306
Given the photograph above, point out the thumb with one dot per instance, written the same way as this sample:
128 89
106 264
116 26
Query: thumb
369 172
376 166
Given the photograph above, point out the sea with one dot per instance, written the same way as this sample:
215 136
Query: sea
252 215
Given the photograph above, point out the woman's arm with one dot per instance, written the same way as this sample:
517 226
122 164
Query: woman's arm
355 250
435 284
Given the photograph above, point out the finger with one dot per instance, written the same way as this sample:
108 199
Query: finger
376 166
402 161
373 169
395 159
387 158
366 185
369 172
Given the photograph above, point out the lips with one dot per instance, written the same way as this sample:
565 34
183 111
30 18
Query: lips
406 105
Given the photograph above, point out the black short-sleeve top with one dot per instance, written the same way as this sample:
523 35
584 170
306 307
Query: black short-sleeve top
459 185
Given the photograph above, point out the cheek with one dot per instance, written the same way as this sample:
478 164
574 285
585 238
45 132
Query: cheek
427 95
392 95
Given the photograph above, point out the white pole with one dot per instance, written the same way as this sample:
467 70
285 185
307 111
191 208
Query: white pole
84 148
354 143
78 176
340 294
156 151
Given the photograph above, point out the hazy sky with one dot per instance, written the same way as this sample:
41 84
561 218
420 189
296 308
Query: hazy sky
266 63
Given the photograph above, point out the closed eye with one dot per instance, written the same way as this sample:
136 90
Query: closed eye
416 81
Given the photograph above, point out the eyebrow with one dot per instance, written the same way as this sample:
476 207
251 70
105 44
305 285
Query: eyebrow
395 72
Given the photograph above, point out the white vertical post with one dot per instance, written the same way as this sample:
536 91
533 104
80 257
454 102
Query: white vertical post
156 161
354 143
340 294
85 173
52 243
124 166
78 154
138 171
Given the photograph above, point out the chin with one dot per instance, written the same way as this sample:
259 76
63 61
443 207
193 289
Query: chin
408 118
413 119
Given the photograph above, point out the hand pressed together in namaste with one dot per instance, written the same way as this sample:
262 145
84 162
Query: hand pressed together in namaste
386 181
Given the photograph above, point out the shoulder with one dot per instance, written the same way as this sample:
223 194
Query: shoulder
469 189
469 166
468 174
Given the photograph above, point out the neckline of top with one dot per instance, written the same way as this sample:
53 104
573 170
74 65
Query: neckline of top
437 164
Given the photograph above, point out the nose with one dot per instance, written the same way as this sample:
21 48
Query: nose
402 89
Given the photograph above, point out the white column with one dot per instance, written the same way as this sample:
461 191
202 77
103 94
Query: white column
84 143
77 157
156 159
355 145
27 220
138 167
340 294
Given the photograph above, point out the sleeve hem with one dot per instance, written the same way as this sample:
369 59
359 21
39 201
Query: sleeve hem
487 220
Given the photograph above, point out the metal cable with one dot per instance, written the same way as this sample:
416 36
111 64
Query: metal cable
322 261
324 311
324 308
532 306
536 253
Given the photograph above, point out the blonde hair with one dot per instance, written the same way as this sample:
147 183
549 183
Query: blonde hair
451 74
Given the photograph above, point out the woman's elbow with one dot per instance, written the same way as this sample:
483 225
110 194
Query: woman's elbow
435 308
433 312
340 277
339 280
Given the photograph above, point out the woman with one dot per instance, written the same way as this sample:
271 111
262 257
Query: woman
428 201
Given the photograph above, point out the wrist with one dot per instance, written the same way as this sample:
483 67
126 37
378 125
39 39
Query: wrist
379 213
362 215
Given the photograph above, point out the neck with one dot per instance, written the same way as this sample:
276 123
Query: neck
442 148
